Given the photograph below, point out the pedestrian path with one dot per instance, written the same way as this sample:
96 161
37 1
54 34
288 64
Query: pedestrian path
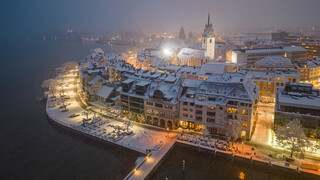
147 166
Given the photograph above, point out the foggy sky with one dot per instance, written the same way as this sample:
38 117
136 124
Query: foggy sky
41 16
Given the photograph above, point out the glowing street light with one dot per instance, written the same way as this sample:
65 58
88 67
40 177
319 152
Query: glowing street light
167 52
242 146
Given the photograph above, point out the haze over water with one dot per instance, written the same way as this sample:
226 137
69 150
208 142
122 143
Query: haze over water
31 146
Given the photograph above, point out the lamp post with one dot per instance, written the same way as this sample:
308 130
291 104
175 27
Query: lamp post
168 132
242 147
183 168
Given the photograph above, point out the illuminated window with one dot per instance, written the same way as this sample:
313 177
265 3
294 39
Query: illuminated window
244 124
211 107
245 112
202 98
232 110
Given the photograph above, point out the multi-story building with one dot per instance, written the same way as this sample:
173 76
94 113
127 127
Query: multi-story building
310 73
250 56
270 80
312 47
298 101
219 99
151 102
274 62
192 57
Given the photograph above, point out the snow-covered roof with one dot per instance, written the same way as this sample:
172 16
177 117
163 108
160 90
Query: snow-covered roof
258 50
275 61
143 83
191 82
158 63
189 53
212 67
108 56
169 91
287 72
95 79
296 99
189 70
293 48
105 91
270 50
97 51
220 88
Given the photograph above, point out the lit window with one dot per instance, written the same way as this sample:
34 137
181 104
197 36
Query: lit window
211 107
202 98
244 124
245 112
232 110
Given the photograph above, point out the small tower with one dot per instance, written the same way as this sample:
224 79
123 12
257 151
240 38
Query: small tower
182 34
208 39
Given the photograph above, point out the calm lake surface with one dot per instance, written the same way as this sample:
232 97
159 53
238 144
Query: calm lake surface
203 165
31 146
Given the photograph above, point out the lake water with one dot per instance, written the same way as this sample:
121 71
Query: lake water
31 146
204 165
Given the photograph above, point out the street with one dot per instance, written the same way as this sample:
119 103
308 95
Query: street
262 133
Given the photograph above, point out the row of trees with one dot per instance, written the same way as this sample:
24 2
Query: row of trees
291 136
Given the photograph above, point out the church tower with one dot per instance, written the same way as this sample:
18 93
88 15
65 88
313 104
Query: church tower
208 39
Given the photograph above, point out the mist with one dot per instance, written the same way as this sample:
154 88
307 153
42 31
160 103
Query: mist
100 16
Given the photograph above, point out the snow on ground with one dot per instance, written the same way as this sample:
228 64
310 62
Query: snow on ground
262 133
140 139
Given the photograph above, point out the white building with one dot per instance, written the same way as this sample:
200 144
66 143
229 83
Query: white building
208 39
217 101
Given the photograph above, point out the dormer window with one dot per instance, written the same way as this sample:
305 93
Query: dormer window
201 98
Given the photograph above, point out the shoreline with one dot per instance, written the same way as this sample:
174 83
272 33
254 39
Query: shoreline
92 136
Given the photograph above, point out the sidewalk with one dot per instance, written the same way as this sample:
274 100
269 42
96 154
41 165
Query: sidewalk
143 171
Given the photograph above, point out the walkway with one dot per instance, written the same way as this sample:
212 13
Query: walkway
143 171
262 133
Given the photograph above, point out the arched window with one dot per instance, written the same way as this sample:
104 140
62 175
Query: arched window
158 94
210 40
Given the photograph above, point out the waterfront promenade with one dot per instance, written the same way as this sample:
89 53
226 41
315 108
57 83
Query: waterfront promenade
143 138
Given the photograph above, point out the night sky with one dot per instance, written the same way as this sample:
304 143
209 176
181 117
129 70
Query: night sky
43 16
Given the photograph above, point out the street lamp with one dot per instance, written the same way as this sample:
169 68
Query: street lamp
242 146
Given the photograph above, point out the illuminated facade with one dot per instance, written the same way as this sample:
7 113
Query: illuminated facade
299 101
215 101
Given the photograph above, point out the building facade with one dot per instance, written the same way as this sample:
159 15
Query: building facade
217 101
298 101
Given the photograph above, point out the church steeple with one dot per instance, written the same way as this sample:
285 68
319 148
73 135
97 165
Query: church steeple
208 18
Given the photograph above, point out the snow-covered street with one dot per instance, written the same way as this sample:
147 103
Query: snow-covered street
139 138
262 133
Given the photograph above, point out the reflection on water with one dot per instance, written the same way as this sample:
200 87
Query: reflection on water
203 165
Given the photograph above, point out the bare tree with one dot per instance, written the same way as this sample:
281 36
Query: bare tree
233 130
292 137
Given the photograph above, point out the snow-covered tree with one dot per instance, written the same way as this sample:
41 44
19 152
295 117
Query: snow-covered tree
292 137
86 113
205 131
233 130
50 84
68 66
